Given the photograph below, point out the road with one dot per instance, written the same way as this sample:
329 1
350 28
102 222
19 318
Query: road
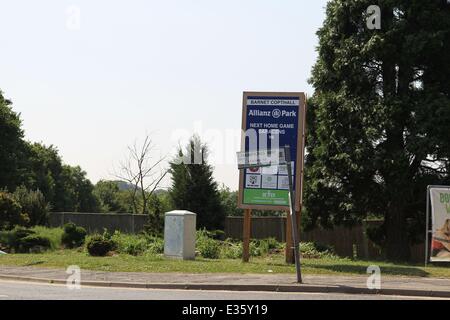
13 290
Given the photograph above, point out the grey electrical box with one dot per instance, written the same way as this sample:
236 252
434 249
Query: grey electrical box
179 234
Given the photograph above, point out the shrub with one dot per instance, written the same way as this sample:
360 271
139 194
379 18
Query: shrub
231 249
73 236
255 250
314 251
11 212
100 245
322 247
217 234
34 243
11 239
156 246
207 246
21 240
33 205
53 234
265 246
130 244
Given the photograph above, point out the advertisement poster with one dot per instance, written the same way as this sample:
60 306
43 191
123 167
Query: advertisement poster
276 122
440 223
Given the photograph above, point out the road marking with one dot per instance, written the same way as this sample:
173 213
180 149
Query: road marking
3 296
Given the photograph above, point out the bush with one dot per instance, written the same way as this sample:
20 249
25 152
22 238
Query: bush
53 234
313 250
73 236
11 212
33 205
21 240
217 234
130 244
231 249
33 243
207 246
265 246
100 245
155 245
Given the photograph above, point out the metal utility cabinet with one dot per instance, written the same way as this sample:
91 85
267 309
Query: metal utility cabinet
179 234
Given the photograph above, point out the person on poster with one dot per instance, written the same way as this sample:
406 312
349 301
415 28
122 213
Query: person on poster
441 241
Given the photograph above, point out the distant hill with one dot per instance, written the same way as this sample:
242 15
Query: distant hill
160 191
124 186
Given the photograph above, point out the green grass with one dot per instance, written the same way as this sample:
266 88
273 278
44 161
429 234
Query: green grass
53 234
156 263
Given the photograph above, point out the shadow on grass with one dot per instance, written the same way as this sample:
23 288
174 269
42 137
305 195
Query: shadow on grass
33 263
385 270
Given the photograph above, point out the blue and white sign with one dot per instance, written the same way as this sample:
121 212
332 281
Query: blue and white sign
271 121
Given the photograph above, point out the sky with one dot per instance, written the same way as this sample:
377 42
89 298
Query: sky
92 77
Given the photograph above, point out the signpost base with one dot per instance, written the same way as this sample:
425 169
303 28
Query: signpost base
246 235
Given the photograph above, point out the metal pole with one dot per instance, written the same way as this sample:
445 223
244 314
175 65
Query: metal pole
287 152
427 225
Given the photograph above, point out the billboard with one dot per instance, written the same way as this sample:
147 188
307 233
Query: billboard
272 121
440 224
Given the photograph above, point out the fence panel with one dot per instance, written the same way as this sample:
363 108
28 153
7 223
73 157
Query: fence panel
346 241
96 222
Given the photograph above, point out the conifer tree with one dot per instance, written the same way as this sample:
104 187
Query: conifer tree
379 121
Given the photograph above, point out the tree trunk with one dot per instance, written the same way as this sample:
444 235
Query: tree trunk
397 246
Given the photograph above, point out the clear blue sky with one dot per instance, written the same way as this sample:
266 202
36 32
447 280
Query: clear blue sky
159 67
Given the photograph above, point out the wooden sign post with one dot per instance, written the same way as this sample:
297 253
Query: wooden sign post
247 232
272 120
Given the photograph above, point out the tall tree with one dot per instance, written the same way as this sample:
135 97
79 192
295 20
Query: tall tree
11 145
42 169
74 191
107 193
142 172
193 186
380 117
39 167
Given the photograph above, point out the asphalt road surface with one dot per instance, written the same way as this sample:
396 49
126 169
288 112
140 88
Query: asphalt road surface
13 290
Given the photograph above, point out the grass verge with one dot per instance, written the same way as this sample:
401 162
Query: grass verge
265 264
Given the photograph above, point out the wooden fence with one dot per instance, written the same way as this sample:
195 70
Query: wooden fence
346 241
96 222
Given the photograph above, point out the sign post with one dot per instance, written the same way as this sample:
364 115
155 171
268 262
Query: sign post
258 160
271 120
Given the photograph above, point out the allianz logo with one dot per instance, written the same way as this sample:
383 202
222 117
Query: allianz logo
275 113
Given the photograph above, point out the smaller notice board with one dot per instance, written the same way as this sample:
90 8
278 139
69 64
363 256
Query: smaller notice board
274 119
440 223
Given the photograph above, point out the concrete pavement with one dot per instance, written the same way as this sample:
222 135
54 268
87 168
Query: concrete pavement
13 290
404 286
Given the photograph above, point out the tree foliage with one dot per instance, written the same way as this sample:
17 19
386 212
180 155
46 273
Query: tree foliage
380 117
11 145
38 167
193 186
107 195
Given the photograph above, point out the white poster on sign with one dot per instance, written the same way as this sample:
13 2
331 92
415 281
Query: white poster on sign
283 169
269 181
253 181
269 170
440 224
283 182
